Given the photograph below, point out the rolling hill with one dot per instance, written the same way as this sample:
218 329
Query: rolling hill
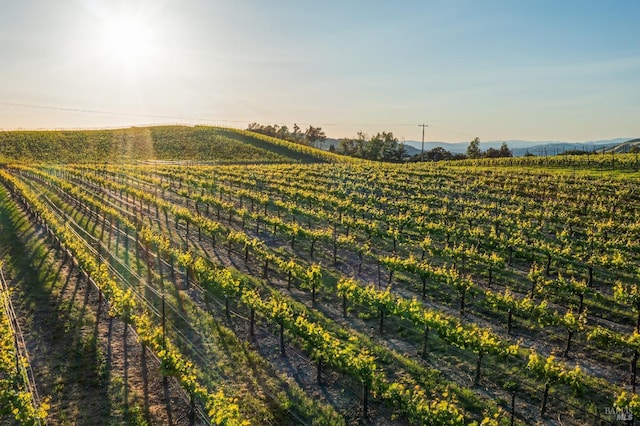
201 143
519 147
624 147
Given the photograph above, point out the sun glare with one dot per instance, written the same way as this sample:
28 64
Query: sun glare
127 42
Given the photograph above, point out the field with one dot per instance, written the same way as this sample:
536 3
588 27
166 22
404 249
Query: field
315 291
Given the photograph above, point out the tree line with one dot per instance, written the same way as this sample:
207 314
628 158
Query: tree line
473 150
383 146
311 136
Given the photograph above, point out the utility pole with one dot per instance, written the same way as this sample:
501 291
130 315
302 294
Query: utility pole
422 151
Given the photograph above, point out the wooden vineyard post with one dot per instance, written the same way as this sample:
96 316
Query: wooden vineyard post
545 397
344 305
252 319
424 341
17 349
282 351
164 324
476 380
365 399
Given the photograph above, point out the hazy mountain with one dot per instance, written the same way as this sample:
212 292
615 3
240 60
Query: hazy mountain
625 146
518 147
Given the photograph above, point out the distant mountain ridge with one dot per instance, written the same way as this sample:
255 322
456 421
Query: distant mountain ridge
518 147
625 146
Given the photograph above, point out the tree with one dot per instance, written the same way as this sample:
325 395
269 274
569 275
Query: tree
505 151
491 153
283 132
437 154
473 150
277 131
401 153
380 147
348 147
297 134
391 149
313 135
373 148
361 142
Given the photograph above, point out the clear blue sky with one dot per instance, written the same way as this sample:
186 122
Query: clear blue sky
536 70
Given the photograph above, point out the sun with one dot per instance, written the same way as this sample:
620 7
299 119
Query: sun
127 41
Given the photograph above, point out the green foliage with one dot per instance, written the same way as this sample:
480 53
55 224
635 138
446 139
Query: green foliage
204 143
628 293
553 371
199 143
124 304
437 226
379 147
16 400
630 402
473 150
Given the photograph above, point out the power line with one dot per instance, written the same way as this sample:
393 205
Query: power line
210 119
119 114
176 117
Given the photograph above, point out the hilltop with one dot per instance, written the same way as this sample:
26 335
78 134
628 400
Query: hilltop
624 147
198 143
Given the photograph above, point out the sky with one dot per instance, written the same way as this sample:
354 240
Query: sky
497 70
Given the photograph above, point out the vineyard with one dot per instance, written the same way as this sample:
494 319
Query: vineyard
166 143
496 293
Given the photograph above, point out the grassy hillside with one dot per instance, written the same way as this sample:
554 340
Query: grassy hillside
200 143
625 146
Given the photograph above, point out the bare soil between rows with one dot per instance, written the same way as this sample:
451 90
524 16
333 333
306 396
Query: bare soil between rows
88 365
